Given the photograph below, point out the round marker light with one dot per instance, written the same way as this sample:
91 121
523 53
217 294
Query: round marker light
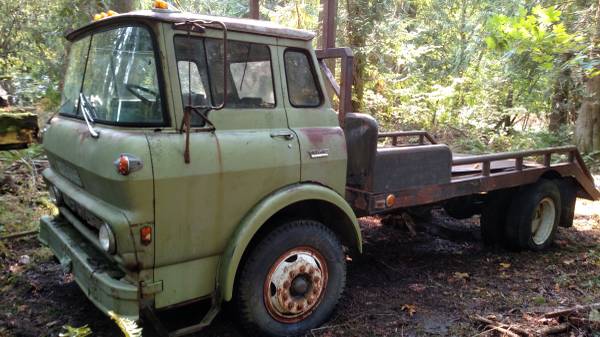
123 165
160 4
107 239
390 200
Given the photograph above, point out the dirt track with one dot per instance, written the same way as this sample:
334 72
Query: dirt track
427 285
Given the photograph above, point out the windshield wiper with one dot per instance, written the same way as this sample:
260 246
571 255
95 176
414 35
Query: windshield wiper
86 110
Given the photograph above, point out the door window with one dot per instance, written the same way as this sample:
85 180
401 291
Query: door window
303 90
249 80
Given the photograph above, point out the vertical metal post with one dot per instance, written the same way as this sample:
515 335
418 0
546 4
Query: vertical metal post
329 24
486 168
547 159
346 90
519 164
254 9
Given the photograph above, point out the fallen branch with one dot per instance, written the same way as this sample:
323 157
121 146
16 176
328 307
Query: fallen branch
505 332
504 326
583 322
19 235
410 224
553 330
570 311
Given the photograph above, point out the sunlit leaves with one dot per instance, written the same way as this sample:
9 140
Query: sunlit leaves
536 36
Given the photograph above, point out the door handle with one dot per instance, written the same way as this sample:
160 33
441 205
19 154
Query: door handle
287 135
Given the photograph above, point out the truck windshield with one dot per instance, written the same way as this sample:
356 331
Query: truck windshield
116 72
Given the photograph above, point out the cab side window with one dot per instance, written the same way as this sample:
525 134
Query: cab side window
250 79
303 90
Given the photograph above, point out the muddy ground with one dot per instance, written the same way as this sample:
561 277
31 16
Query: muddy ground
428 284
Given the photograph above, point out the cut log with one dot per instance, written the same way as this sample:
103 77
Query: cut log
17 130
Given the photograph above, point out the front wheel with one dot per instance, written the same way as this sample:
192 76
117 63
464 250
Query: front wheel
292 280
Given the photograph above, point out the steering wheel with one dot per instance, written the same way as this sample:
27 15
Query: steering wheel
137 90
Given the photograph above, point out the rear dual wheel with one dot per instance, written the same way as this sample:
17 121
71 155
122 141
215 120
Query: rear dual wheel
526 218
292 280
533 216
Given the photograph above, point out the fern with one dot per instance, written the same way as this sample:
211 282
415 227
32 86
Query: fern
75 332
127 326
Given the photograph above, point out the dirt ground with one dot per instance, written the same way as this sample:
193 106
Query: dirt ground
428 284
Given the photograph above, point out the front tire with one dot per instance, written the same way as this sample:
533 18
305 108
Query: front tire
533 216
292 280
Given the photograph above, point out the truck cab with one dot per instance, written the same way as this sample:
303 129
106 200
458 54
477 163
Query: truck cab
180 139
200 158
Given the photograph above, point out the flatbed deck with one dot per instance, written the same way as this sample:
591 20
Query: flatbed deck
479 174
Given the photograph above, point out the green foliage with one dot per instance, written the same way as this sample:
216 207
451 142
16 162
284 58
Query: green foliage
535 37
70 331
427 64
127 326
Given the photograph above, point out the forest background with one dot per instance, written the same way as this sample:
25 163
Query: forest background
482 75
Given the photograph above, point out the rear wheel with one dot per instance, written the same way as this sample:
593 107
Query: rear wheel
291 280
533 216
493 217
462 208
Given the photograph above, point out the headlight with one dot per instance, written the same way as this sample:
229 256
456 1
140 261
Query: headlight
55 195
107 239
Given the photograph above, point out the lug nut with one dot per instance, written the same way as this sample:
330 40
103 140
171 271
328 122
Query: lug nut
290 306
302 269
286 284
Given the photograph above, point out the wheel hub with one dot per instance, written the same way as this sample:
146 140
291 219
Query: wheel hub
543 220
295 284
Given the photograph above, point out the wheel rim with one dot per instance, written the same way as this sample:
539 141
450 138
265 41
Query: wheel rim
295 284
543 220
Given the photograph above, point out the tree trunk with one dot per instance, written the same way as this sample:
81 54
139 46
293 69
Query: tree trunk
587 126
254 9
561 99
356 35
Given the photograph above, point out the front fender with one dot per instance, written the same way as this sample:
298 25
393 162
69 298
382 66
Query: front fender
261 213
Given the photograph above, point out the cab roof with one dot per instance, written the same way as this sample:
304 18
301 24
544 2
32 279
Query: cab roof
233 24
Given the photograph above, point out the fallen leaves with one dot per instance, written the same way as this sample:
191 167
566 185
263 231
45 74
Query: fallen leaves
411 309
417 287
459 277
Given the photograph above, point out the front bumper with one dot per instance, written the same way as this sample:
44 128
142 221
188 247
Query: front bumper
99 279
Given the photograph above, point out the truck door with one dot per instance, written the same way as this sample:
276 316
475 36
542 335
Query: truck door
310 116
250 154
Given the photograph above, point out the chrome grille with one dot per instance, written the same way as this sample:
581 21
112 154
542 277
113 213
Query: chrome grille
83 214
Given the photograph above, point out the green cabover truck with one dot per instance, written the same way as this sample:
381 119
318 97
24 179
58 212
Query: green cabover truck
199 158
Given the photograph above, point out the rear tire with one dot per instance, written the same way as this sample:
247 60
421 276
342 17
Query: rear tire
493 217
292 280
533 216
462 208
